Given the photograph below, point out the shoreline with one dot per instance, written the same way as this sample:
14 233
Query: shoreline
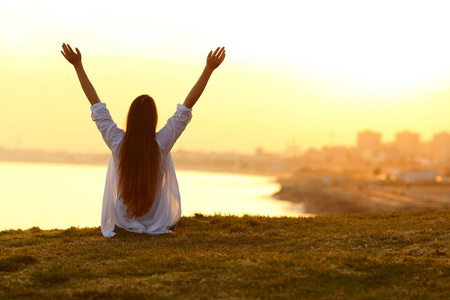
321 195
356 196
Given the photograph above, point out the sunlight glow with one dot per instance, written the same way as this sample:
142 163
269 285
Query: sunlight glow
324 63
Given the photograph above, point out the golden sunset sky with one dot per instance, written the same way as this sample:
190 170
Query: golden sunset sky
313 72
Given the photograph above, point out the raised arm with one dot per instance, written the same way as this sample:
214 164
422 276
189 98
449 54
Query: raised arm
212 62
75 59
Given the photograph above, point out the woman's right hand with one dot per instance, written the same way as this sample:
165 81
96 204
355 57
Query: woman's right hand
215 59
73 57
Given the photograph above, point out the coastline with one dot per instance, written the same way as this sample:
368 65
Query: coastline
327 195
320 194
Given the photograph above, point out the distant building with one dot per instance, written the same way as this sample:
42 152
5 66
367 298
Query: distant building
441 147
291 150
313 155
336 154
407 143
417 176
369 144
259 151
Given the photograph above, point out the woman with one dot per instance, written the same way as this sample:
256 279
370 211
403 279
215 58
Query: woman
141 192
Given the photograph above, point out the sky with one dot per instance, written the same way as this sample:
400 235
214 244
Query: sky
312 73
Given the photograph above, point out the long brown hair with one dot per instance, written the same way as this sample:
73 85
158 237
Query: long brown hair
139 157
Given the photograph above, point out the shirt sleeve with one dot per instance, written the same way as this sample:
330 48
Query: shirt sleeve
112 135
176 124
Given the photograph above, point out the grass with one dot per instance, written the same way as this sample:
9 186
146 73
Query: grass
401 255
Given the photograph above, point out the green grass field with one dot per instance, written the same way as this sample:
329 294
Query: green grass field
401 255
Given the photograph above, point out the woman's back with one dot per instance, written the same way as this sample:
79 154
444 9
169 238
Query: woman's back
166 208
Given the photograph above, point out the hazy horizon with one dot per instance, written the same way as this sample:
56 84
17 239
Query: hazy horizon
313 73
289 146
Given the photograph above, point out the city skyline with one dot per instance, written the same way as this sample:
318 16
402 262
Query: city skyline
442 138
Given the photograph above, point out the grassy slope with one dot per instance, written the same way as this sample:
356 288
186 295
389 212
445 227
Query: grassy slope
403 255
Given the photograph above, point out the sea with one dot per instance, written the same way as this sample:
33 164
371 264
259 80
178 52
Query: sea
59 196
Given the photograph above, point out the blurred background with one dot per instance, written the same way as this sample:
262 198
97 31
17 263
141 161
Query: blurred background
348 96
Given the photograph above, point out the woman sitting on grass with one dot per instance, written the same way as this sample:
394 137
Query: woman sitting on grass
141 192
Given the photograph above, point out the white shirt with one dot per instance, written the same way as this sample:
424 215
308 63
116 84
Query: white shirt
166 209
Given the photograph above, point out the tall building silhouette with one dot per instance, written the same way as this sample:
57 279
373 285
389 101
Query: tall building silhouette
407 143
369 144
441 147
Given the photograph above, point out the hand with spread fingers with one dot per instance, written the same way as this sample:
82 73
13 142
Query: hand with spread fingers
73 57
215 59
